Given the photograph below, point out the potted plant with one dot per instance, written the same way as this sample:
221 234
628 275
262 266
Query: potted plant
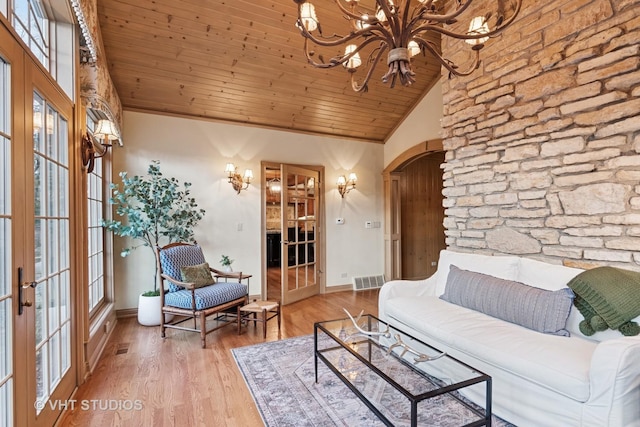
158 211
226 263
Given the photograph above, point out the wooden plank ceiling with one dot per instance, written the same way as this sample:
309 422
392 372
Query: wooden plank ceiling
242 61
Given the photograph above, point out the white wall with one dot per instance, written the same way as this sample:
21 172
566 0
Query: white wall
422 124
197 151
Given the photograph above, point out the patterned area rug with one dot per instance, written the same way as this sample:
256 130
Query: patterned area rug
281 378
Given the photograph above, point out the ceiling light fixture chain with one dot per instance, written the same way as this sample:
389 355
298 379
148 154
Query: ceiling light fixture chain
402 29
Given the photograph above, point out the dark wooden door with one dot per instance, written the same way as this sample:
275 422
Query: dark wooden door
422 216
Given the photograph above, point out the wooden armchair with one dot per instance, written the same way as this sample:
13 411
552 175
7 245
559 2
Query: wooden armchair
194 294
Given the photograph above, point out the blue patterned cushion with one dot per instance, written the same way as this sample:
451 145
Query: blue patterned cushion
208 296
172 259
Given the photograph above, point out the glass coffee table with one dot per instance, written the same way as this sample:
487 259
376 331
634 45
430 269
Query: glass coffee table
399 377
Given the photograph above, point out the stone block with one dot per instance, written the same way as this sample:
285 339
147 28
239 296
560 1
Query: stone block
595 199
596 102
466 201
562 146
474 177
484 212
549 126
530 195
619 128
623 161
591 156
546 237
573 93
562 252
540 164
609 58
564 221
607 255
527 181
471 243
533 204
501 199
614 141
520 153
610 113
524 213
545 84
627 244
582 179
525 223
488 188
627 219
622 67
528 109
508 240
582 242
604 231
573 169
484 223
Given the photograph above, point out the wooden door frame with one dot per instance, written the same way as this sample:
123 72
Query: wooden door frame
392 223
320 222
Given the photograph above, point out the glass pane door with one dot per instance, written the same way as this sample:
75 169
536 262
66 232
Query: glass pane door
6 262
51 248
299 233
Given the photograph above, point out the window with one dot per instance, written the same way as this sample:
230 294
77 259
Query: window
95 232
49 33
32 25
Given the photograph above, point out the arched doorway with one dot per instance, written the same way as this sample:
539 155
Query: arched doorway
414 230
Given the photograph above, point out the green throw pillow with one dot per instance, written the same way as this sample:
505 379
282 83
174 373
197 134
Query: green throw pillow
199 275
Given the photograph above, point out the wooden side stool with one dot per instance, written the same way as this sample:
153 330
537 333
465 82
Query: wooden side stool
267 310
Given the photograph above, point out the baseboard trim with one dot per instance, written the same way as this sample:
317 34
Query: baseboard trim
339 288
127 312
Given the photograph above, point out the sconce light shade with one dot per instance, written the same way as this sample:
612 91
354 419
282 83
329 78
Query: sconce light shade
92 149
345 185
237 181
106 130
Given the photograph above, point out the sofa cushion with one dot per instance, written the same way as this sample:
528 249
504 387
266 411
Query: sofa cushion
557 363
199 275
206 297
504 267
534 308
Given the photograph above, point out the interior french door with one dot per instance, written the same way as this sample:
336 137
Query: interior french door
299 216
37 351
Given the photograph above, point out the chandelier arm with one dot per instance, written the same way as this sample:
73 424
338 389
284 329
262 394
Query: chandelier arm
448 64
363 86
383 34
459 36
446 18
350 14
334 61
465 36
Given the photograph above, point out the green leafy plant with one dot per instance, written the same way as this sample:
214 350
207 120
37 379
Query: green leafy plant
157 210
226 261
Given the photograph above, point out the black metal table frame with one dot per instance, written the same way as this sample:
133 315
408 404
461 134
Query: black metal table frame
482 377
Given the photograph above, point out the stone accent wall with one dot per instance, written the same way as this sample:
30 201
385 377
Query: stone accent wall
543 141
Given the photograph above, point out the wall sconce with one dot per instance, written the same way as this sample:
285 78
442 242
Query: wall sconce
238 182
92 149
344 185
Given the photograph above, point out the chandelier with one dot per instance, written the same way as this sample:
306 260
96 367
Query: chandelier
402 29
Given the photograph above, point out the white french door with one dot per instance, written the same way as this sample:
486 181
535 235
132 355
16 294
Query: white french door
299 257
37 350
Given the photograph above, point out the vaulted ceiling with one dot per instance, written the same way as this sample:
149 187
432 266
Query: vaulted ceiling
242 61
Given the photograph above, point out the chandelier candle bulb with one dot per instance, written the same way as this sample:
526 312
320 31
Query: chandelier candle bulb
401 29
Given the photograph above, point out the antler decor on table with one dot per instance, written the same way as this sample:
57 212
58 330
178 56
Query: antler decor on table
420 357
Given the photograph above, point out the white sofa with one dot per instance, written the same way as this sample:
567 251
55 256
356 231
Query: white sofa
538 379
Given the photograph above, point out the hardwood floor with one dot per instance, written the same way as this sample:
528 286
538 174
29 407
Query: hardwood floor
144 380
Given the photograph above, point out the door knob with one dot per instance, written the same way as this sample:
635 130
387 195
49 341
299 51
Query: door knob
21 287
